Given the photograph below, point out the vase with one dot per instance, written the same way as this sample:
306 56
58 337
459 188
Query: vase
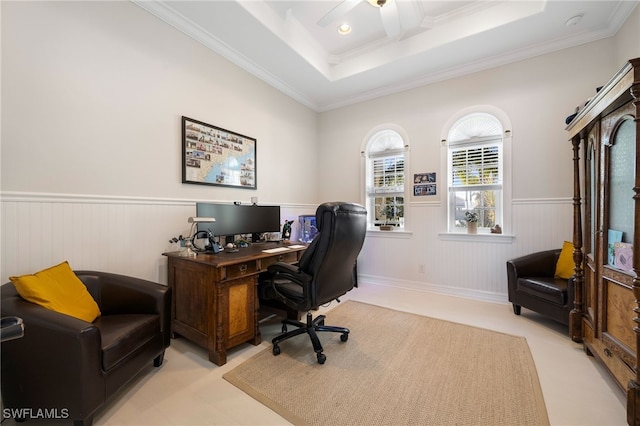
472 227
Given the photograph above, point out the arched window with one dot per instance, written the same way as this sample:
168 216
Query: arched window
475 172
385 178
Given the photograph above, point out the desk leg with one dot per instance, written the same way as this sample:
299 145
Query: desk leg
218 358
217 335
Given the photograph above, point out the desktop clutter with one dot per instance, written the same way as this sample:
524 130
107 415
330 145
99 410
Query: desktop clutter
228 228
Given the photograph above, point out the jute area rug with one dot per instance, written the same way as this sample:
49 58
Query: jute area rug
398 368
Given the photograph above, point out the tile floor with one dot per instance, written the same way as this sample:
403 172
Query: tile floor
189 390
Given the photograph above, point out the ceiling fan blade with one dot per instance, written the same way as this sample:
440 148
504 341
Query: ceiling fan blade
391 19
338 12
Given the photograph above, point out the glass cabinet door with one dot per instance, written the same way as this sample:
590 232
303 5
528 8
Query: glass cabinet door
621 203
590 224
591 198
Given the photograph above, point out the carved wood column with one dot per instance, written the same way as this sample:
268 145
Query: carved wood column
633 390
575 316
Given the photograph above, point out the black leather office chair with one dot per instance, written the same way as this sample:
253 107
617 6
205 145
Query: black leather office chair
324 273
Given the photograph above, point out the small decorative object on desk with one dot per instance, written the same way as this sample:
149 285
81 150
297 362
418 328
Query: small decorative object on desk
472 222
286 229
187 251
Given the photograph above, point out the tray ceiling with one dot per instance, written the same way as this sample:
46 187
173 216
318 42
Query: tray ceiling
295 45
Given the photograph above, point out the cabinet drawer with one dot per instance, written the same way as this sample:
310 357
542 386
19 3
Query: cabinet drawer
622 373
283 257
612 362
241 270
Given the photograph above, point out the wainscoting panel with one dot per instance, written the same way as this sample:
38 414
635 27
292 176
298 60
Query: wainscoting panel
124 236
114 234
470 266
129 235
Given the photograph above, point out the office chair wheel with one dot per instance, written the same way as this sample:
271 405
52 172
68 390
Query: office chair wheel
344 337
321 358
276 350
284 328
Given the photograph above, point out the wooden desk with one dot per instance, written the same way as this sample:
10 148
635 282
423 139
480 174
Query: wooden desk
215 298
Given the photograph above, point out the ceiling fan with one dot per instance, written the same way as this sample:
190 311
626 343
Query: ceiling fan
388 13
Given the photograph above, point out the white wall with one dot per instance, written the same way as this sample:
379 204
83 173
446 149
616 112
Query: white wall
92 94
627 40
537 95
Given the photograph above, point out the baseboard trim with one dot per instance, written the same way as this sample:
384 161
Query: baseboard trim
485 296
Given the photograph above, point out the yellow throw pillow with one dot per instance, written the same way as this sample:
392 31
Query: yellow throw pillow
58 289
565 266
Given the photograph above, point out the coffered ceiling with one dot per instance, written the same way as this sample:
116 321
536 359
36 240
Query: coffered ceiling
295 45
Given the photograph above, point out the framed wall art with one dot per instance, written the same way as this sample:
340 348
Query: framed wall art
424 184
421 190
215 156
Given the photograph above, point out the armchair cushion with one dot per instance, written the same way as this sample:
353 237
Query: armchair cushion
547 288
122 335
565 266
57 288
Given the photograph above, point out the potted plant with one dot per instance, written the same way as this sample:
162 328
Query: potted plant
390 213
472 222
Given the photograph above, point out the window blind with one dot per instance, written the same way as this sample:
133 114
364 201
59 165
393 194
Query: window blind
388 174
476 166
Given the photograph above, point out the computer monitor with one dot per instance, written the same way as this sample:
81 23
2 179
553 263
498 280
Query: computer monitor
232 219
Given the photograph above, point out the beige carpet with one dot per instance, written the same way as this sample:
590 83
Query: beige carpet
398 369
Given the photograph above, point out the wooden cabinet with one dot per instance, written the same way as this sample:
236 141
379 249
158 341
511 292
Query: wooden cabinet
215 300
606 140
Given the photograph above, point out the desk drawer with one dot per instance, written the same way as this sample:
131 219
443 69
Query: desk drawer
281 257
241 269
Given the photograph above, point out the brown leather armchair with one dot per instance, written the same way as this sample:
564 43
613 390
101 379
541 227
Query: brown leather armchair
71 367
532 284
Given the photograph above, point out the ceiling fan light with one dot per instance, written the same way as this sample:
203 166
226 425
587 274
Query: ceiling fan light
379 3
344 29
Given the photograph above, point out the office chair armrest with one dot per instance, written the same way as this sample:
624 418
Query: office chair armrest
284 271
282 267
285 283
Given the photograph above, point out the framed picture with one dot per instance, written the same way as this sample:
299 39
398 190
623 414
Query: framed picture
215 156
422 190
423 178
424 184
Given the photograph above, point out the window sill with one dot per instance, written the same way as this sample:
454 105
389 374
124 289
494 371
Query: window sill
396 233
480 237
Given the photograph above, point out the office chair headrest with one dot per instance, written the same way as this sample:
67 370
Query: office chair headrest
336 207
